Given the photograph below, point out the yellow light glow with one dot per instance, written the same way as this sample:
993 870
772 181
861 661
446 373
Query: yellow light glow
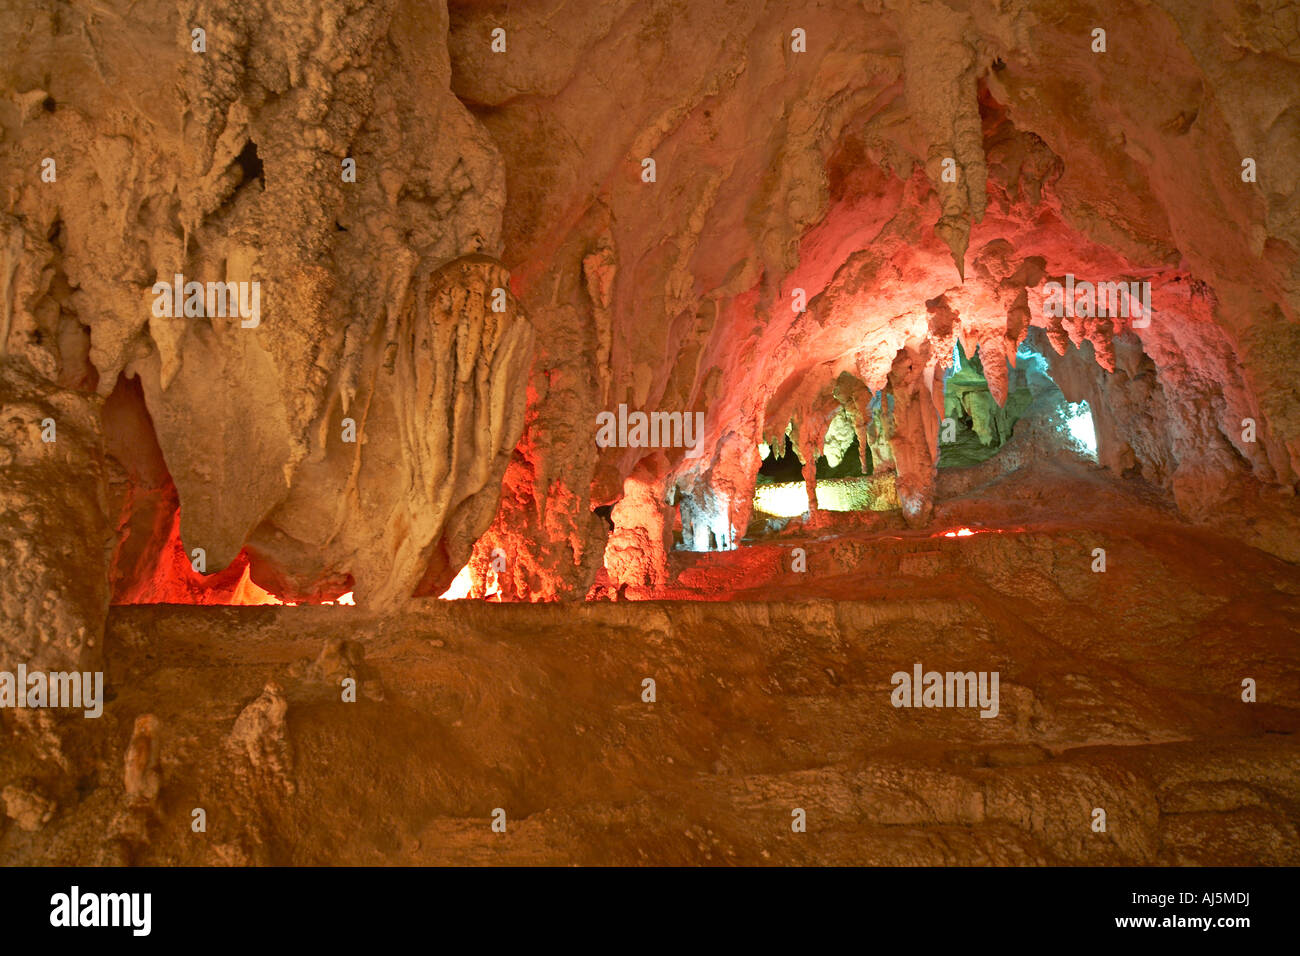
459 587
785 501
790 499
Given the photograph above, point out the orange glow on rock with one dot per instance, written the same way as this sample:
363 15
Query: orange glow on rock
968 532
174 581
248 591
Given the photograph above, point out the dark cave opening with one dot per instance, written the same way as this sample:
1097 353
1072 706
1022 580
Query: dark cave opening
250 164
787 467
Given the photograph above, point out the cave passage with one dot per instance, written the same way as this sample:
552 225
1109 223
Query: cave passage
974 429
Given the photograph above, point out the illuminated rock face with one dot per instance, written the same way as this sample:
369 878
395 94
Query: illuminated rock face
769 218
326 297
354 426
919 176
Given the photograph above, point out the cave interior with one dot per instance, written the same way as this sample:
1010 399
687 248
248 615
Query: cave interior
585 411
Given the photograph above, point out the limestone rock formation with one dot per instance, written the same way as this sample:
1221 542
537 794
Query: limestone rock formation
259 735
328 173
830 189
437 410
320 302
809 202
55 537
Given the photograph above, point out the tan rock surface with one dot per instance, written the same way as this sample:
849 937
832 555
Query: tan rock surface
785 220
1119 691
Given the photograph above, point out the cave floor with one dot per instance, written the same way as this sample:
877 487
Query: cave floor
1033 535
1119 691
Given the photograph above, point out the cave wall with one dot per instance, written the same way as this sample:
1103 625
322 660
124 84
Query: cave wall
354 428
803 246
823 171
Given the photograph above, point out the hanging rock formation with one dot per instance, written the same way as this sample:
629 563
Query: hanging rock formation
336 177
323 301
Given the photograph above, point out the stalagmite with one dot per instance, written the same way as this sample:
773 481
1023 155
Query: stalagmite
915 437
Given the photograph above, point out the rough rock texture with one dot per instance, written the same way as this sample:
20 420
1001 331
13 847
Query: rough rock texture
779 700
818 177
454 249
54 548
226 163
